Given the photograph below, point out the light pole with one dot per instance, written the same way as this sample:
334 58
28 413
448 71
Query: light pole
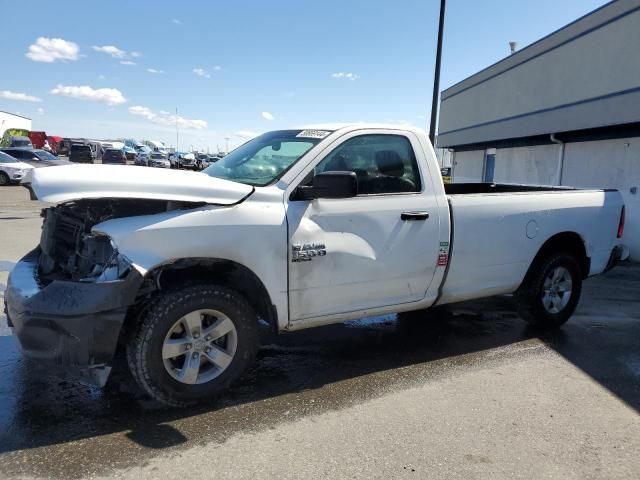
436 77
177 149
227 144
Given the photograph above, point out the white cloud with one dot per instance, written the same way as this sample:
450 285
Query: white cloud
154 70
110 96
201 72
217 68
49 50
165 118
176 21
101 77
345 75
40 111
118 53
115 52
267 116
9 95
246 134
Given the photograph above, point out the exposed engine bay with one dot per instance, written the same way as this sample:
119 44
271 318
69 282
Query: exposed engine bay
70 251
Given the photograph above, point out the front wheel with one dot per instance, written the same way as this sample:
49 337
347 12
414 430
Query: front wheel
192 343
550 293
4 179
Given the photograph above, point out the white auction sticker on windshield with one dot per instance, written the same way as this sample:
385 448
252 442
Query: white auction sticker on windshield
313 134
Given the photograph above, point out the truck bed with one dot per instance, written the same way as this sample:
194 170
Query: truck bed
471 188
495 237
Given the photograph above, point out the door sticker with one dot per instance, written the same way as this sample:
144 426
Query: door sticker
443 254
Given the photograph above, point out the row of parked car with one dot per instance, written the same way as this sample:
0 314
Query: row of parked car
16 163
19 155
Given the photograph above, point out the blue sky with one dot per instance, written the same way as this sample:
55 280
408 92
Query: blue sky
238 68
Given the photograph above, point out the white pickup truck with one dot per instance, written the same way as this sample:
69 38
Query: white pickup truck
296 228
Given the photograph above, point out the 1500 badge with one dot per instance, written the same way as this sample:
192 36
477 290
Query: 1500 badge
306 251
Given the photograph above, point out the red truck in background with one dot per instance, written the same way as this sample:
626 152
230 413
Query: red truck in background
54 142
38 140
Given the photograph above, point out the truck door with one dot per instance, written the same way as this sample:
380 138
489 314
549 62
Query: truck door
377 249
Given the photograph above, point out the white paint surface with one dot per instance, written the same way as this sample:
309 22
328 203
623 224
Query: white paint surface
597 164
375 263
72 182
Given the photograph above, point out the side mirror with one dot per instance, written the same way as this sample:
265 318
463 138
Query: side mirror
330 185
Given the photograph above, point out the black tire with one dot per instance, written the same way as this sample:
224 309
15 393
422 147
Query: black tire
144 348
530 295
4 179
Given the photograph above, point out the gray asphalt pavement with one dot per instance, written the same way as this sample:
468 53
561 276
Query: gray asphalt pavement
469 392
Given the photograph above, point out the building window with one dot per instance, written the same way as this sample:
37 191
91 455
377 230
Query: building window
489 166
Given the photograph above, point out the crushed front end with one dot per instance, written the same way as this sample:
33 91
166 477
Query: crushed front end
67 299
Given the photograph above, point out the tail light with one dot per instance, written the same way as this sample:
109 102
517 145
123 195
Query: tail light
621 224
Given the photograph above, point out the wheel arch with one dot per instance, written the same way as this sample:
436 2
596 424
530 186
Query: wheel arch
570 242
189 271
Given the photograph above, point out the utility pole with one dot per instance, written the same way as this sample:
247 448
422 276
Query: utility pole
436 77
177 149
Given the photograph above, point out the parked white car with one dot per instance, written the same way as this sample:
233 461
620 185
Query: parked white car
158 160
12 170
298 228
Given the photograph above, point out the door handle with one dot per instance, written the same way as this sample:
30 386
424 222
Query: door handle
412 216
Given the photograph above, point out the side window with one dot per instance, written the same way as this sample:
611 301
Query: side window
382 163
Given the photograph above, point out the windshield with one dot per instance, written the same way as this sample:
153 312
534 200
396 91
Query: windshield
21 143
44 155
157 156
265 158
4 158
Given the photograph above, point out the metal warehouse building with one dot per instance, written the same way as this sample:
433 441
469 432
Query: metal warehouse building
562 111
12 120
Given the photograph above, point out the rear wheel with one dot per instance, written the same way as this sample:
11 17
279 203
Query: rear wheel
192 343
551 291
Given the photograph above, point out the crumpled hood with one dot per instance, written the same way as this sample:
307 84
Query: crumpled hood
75 182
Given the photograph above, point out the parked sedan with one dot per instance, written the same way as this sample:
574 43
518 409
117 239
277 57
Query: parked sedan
12 170
141 159
158 160
114 155
36 158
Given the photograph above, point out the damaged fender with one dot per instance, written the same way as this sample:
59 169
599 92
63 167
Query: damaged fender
70 323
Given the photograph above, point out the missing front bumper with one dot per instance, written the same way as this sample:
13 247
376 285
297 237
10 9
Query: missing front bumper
72 324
